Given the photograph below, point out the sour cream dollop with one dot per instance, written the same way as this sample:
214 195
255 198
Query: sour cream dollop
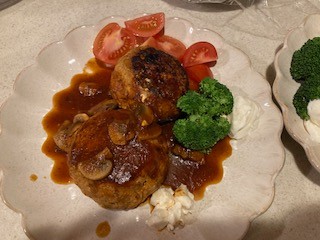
170 207
313 125
244 117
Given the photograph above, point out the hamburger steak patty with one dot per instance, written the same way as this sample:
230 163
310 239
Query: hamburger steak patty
152 77
116 161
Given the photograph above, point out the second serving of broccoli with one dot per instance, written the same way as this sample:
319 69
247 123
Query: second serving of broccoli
306 61
205 122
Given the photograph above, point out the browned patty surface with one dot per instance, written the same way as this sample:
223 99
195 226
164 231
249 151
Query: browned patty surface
138 166
152 77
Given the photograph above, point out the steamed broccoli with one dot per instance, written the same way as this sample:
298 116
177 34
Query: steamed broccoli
221 96
309 90
194 103
213 99
200 132
205 123
306 61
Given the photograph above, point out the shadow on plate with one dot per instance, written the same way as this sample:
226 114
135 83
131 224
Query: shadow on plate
213 7
296 224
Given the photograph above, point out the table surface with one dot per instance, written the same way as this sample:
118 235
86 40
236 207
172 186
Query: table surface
29 25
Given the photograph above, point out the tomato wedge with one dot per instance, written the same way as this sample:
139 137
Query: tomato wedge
200 52
146 26
171 45
151 42
112 42
196 74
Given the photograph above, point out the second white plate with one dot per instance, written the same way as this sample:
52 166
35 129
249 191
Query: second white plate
285 87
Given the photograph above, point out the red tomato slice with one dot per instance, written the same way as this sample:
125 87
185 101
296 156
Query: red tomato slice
200 52
141 40
196 74
146 26
112 42
199 72
151 42
171 45
193 85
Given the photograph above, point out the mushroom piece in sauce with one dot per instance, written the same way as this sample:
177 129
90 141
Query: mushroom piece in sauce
66 133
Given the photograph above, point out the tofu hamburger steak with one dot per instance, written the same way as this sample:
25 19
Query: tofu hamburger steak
120 156
149 76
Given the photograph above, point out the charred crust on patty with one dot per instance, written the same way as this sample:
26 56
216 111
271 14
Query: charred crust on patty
152 77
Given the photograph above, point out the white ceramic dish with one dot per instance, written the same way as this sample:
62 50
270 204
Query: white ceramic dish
51 211
285 87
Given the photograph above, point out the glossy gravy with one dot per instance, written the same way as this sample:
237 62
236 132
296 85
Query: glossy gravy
103 229
69 102
66 104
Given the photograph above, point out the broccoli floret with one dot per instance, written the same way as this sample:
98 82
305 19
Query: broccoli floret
306 61
204 124
200 132
220 95
309 90
213 99
194 103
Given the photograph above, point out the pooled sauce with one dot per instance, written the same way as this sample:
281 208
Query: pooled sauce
103 229
69 102
196 175
66 104
33 177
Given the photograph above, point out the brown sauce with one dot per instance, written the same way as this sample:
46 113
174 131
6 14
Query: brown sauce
197 175
69 102
66 104
103 229
33 177
129 159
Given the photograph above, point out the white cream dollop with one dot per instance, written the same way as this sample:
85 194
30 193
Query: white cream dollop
244 117
313 125
170 207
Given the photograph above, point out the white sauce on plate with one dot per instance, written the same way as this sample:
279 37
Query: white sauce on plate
313 125
244 117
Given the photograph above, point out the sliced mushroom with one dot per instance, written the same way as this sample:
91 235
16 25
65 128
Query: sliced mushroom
67 131
120 133
185 153
152 131
102 106
80 118
98 167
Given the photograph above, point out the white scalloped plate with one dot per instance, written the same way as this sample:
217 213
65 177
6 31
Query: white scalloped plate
284 87
51 211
